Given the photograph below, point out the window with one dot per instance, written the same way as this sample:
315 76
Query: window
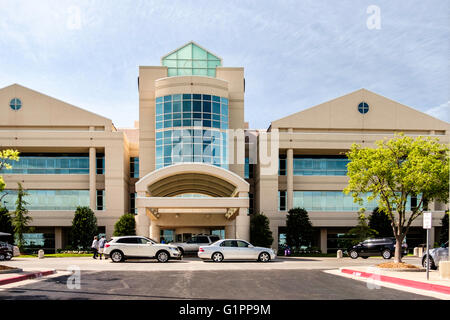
15 104
320 166
229 243
53 164
333 201
100 199
134 167
100 164
129 240
197 136
191 60
363 108
281 200
242 244
143 241
48 200
282 165
202 239
133 203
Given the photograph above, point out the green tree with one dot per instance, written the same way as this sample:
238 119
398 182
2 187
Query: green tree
125 226
396 170
260 234
299 230
380 222
6 223
21 219
84 228
362 231
6 156
443 237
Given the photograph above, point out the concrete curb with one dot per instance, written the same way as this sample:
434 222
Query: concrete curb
27 276
399 281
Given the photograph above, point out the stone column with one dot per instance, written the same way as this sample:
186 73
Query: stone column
142 220
230 230
290 178
243 225
58 238
92 179
154 231
323 240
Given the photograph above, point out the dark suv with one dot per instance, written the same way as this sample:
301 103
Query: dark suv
376 247
6 251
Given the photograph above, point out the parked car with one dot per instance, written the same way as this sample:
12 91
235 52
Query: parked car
376 247
235 249
136 247
436 255
7 251
192 245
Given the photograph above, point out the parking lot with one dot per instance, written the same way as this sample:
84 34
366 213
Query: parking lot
194 264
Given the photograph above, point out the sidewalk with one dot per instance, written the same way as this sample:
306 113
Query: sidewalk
412 279
6 278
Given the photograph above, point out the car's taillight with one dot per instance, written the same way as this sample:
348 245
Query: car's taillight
201 250
107 245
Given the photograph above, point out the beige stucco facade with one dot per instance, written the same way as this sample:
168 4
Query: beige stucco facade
45 126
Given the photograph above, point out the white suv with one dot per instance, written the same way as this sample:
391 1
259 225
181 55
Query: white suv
135 247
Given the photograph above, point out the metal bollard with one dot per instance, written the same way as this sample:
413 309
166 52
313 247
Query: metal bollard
41 254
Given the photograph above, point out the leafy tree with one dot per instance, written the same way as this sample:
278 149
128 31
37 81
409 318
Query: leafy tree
299 230
84 228
395 170
260 234
6 156
21 219
125 226
362 231
6 223
443 237
380 222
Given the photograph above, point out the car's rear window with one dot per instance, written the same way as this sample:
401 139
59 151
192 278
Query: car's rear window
127 240
214 238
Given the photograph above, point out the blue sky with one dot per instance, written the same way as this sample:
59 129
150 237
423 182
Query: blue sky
296 54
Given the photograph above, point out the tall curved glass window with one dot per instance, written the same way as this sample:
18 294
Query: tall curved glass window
191 60
191 128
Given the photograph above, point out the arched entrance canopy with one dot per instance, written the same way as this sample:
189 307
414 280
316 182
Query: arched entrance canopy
192 178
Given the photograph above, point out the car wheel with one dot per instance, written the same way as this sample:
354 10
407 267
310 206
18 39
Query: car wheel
8 256
353 254
117 256
424 263
2 257
162 256
217 257
264 257
387 254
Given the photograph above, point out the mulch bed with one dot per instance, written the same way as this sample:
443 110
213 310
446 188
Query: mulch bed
393 265
5 267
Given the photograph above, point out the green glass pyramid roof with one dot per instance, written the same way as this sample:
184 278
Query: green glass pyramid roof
191 59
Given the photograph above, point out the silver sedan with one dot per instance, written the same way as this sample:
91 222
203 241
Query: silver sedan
235 249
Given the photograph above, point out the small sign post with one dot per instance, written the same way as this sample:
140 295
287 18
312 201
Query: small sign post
427 218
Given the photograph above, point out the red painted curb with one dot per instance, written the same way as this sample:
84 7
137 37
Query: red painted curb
27 276
403 282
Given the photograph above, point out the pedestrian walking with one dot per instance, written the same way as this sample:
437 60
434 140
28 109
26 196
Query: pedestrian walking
94 247
101 246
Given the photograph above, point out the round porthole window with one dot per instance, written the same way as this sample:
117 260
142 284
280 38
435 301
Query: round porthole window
363 107
15 104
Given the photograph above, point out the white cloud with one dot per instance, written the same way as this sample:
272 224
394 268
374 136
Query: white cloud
441 112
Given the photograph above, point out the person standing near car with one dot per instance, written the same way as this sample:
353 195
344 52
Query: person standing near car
101 246
94 247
